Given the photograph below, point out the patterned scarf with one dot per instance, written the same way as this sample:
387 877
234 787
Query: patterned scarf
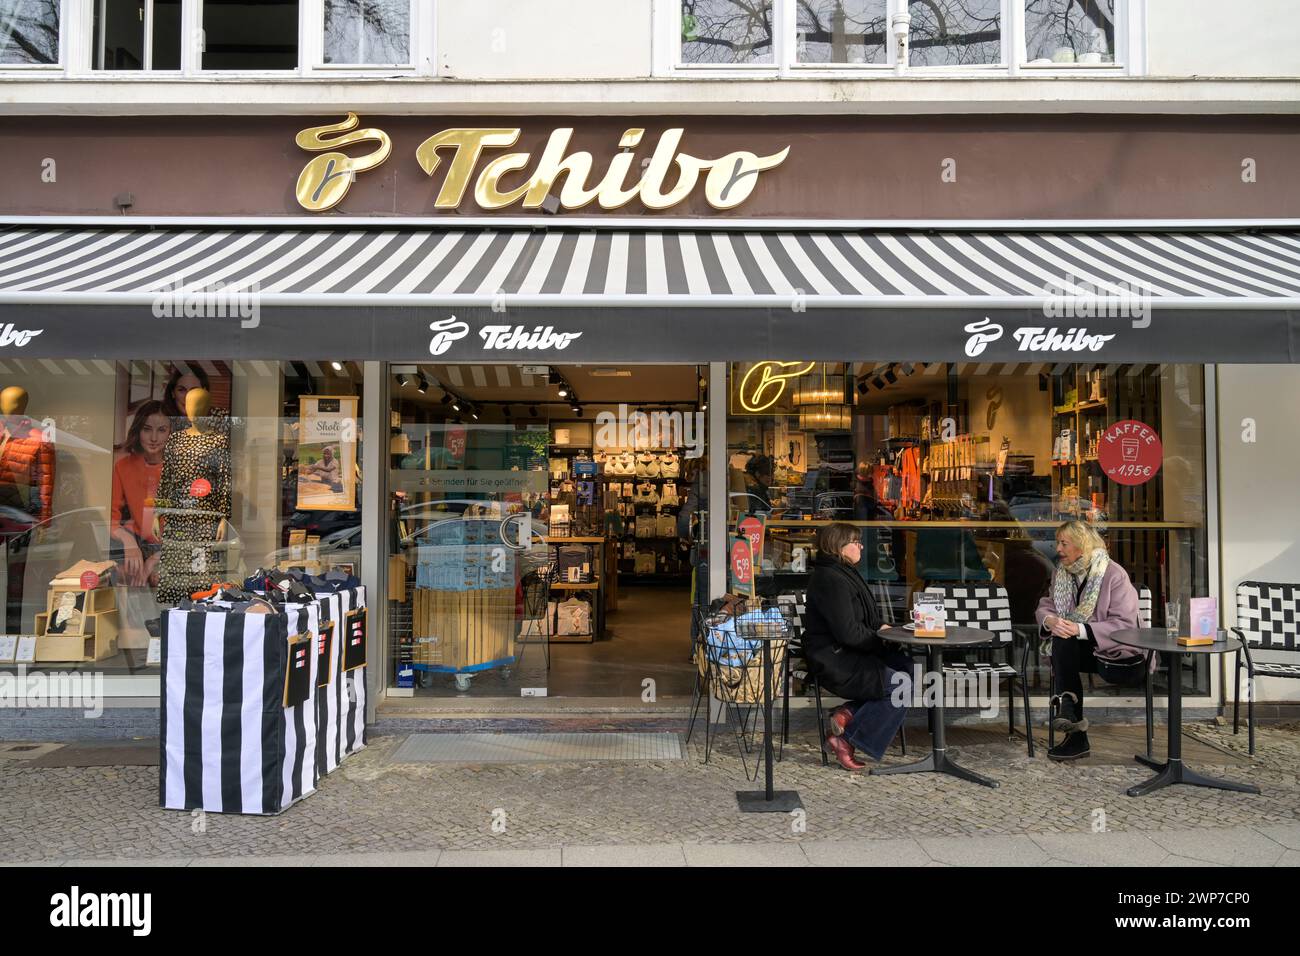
1065 586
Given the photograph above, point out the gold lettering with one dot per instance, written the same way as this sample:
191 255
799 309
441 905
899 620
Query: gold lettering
326 179
734 176
652 183
575 168
611 192
469 145
487 192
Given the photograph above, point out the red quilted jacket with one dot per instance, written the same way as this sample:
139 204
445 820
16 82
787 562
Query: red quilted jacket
27 470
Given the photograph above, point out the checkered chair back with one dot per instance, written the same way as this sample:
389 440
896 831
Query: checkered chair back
793 606
1268 614
985 606
1146 602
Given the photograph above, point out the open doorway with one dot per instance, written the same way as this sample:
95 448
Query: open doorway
545 529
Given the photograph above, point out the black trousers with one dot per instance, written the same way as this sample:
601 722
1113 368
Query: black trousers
1072 658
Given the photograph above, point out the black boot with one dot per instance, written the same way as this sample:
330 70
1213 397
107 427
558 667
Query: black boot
1074 746
1069 718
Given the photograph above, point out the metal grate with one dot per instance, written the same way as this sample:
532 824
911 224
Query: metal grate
536 748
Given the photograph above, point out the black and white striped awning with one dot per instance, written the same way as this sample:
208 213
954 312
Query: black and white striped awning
420 266
687 274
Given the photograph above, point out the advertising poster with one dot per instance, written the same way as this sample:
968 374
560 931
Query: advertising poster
327 453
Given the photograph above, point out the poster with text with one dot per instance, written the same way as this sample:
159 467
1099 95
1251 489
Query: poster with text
327 453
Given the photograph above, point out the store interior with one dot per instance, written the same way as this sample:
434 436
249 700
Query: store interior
544 529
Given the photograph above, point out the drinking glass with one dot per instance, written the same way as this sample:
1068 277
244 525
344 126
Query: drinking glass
1172 609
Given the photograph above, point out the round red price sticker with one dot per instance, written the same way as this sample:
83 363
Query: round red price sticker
742 567
752 529
89 580
200 488
1130 452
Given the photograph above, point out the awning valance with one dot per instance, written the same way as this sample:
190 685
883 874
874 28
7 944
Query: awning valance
787 286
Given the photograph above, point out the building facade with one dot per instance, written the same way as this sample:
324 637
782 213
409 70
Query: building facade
448 270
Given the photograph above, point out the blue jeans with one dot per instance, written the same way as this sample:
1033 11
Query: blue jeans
875 722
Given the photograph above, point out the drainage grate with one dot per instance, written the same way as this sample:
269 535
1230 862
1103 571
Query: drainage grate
536 748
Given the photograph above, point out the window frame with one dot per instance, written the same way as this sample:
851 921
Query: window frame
1130 17
48 69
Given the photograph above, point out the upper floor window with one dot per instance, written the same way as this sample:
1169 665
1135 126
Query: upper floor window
908 35
367 31
29 32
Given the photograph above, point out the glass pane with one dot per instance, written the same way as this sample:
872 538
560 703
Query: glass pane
727 31
368 31
29 31
166 34
102 470
1069 31
842 31
119 35
250 36
962 473
955 32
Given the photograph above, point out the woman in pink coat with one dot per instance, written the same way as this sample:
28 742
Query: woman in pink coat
1090 598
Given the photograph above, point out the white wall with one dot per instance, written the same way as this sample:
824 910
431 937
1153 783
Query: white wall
1259 497
1213 38
520 39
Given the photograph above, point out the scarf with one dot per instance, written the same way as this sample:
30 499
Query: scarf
1065 586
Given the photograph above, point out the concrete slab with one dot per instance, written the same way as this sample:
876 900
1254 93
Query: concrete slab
984 850
659 854
1287 834
739 854
1101 849
1239 846
905 852
410 858
546 857
305 860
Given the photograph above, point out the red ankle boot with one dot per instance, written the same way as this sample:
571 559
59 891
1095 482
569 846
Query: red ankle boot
843 751
839 719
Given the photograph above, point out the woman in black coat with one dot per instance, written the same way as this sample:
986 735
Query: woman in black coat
844 650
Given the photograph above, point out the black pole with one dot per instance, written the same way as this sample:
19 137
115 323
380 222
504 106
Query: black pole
767 717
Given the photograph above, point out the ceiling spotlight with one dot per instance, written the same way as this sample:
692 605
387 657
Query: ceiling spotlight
402 380
423 385
704 407
337 366
564 391
577 409
473 413
455 404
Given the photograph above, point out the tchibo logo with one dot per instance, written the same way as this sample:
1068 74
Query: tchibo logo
77 909
17 337
499 337
1033 339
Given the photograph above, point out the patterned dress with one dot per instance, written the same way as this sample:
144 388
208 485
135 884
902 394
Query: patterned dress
193 498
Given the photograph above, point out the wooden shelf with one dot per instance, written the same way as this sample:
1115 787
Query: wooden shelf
565 586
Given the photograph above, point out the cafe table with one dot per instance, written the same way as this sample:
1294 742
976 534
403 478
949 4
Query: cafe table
938 761
1156 640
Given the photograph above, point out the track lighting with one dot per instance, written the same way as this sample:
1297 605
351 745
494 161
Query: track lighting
564 391
337 366
402 380
423 384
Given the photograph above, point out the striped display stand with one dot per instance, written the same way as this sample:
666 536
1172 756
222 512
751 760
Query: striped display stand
228 743
340 703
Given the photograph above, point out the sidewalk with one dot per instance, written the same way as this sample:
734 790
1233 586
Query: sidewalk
376 811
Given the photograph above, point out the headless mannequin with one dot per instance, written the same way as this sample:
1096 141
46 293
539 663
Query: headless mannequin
198 402
13 402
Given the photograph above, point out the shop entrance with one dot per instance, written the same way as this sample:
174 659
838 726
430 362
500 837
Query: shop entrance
545 529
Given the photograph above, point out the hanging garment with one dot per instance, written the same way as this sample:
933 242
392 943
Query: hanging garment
27 469
625 464
669 494
193 499
647 494
670 466
646 526
666 526
647 466
910 491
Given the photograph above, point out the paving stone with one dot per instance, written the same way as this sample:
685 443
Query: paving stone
1236 847
305 860
985 851
1101 849
410 858
723 854
549 857
1286 834
1173 860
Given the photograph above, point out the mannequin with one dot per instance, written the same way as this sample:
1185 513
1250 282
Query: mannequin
194 498
26 458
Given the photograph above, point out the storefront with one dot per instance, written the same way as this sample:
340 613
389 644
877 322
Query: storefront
902 323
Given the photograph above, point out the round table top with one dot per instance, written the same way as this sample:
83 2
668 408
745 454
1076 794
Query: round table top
1158 639
953 637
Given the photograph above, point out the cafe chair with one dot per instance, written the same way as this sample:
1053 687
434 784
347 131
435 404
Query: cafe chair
988 607
793 606
1268 616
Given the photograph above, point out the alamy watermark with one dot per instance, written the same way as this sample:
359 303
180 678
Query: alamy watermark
1075 298
217 300
51 689
659 429
977 689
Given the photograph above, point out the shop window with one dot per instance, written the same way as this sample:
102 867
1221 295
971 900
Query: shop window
955 32
29 32
127 487
250 36
137 35
366 32
961 474
1069 32
735 32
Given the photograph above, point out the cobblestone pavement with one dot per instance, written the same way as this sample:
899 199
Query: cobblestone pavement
374 806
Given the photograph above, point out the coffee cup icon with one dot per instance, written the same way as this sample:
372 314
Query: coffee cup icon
1129 448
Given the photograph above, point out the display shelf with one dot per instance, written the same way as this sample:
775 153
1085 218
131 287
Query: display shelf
585 586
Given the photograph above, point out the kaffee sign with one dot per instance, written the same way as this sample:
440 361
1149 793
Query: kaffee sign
665 179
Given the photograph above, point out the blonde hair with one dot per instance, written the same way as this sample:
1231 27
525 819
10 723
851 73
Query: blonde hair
1083 535
833 538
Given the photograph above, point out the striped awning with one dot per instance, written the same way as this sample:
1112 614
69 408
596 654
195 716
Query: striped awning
707 267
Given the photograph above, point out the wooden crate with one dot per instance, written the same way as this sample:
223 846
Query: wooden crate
463 629
98 641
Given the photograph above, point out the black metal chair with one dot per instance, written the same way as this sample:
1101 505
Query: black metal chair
1268 618
988 607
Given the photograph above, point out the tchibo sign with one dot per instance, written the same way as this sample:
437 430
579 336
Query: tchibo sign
499 337
1034 338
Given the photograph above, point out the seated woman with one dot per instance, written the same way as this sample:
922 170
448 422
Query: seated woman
845 651
1090 598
